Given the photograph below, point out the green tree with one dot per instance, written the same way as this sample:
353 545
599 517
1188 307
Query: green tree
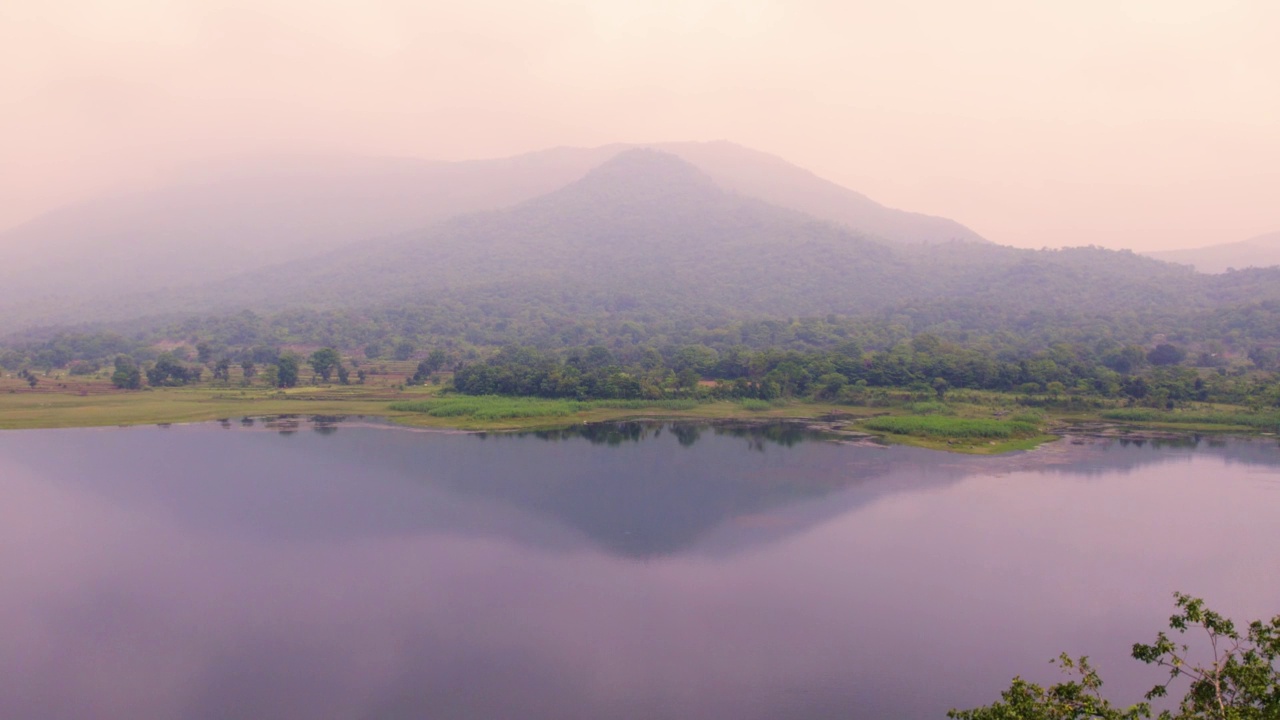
926 343
1125 360
222 369
1166 354
128 376
11 360
83 367
1072 700
169 371
687 379
421 375
249 369
828 386
1239 680
436 360
324 361
287 370
698 358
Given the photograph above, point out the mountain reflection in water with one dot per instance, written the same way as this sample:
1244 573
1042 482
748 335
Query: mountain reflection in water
329 567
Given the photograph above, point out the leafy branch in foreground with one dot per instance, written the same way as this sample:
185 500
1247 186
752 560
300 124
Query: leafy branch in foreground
1238 681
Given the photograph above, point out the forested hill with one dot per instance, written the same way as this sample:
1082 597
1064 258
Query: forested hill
644 229
648 238
647 231
212 222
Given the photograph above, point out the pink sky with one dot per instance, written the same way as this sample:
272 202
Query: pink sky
1147 124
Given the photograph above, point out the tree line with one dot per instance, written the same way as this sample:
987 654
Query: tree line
279 369
818 358
1245 336
851 375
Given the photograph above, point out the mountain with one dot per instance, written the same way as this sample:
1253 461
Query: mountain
216 222
649 235
1260 251
644 229
648 238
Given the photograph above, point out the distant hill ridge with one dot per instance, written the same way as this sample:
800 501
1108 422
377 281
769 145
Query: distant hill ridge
1257 252
648 235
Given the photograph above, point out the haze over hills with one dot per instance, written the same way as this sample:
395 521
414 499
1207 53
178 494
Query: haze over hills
1261 251
643 225
218 221
647 235
647 230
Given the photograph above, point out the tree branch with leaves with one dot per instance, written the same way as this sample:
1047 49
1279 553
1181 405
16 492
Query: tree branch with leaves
1238 681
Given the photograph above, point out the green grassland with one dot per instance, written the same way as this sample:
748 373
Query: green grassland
177 405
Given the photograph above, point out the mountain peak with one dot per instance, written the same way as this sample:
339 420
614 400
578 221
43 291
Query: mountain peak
643 176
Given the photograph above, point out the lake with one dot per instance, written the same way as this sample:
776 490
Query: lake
322 569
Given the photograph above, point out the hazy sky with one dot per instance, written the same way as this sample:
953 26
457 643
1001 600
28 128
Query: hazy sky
1126 123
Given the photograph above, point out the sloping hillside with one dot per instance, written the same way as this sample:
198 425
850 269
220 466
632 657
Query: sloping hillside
644 224
770 178
647 236
217 222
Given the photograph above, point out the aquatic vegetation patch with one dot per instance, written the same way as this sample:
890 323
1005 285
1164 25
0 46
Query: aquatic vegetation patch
951 427
754 405
489 407
499 407
1258 421
676 404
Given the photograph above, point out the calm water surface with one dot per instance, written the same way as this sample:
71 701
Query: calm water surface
303 570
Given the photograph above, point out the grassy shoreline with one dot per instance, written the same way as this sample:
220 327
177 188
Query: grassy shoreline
49 410
957 427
